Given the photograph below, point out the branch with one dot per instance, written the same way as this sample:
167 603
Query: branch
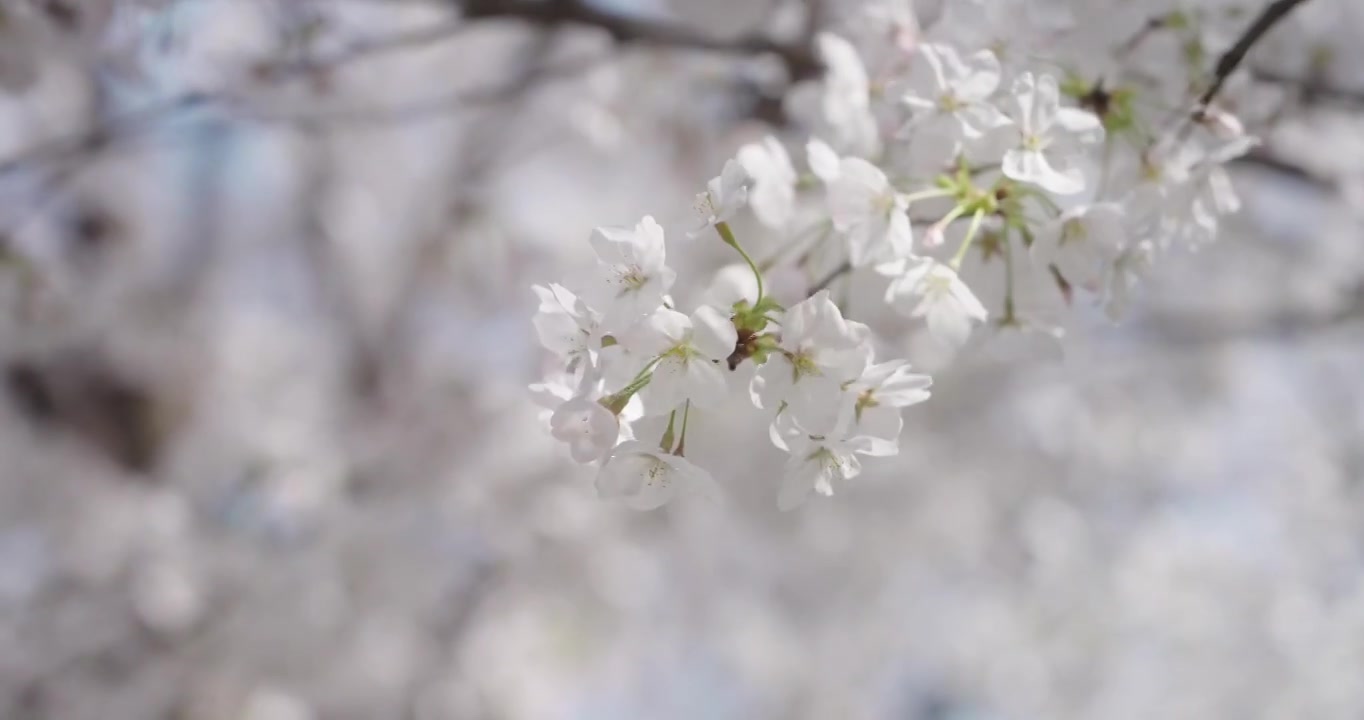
413 110
102 134
1231 59
1263 159
363 49
799 58
827 280
1311 89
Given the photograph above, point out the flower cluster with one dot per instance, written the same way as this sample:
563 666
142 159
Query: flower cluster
1053 179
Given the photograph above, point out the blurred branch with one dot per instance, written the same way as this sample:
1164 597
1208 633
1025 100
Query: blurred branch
101 135
1231 59
420 108
1309 88
1263 159
799 58
824 282
363 50
98 137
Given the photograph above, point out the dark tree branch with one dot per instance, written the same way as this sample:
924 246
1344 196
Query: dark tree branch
1311 89
1231 59
363 50
827 280
1262 159
799 58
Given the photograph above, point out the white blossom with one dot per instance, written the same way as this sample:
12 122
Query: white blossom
880 393
928 289
952 100
1048 139
818 459
725 195
587 426
646 478
1082 243
839 105
689 352
632 270
817 353
869 212
773 192
567 327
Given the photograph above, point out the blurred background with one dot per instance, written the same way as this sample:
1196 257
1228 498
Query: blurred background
266 449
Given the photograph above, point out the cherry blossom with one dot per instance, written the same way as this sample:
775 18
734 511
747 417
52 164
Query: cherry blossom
773 192
869 212
689 352
633 273
567 327
589 428
1049 138
817 353
933 291
1082 243
951 100
725 195
1020 201
880 393
646 478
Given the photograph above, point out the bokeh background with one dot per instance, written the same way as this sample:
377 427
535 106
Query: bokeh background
266 449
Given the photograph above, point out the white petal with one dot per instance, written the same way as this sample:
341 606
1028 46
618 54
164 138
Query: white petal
1031 166
818 406
1045 104
1025 94
706 385
670 325
668 386
1081 122
731 284
904 388
713 333
692 479
878 431
983 79
589 429
772 383
824 162
624 473
948 324
658 485
558 333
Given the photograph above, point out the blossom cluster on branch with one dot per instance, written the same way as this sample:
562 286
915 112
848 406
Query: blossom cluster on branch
1062 155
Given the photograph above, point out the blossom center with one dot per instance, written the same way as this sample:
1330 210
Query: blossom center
1073 231
656 472
803 365
632 278
705 205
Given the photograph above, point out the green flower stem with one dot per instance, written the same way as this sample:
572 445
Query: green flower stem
728 236
616 401
971 233
1009 309
929 194
682 442
666 444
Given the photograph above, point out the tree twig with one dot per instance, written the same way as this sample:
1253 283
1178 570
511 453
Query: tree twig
1231 59
827 280
799 58
1311 89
